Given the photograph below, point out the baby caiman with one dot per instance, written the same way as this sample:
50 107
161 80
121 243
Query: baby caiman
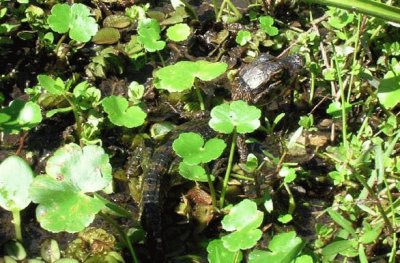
253 82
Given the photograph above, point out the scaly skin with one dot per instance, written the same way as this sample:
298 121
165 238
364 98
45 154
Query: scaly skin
152 179
267 68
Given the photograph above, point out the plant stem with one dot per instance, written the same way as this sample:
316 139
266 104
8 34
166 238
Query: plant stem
342 99
161 58
377 201
122 235
233 8
76 116
292 202
17 225
212 191
228 169
216 11
201 101
367 7
379 160
59 44
356 47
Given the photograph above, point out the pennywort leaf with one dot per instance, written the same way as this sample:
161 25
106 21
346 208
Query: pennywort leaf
191 147
71 172
119 112
76 19
237 114
178 32
15 179
181 76
244 219
20 115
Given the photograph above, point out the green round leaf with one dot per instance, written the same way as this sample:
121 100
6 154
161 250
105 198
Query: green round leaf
119 112
283 247
289 174
82 26
243 215
284 219
60 18
149 35
175 78
181 76
61 207
75 18
20 115
266 24
242 239
238 114
178 32
193 172
15 179
87 169
190 146
389 90
217 253
243 37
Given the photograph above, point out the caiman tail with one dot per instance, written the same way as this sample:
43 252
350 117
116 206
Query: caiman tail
153 195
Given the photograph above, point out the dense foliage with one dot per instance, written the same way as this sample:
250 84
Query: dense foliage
257 131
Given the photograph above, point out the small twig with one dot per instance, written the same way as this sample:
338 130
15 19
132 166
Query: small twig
21 143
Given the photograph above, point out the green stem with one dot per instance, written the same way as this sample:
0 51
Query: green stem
59 44
17 225
215 4
292 202
343 100
76 116
377 201
367 7
201 100
379 157
161 58
221 10
228 169
356 47
122 235
233 8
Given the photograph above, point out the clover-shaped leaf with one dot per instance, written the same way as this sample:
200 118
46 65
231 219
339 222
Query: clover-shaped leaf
83 27
217 253
181 76
193 172
238 114
190 146
20 115
284 248
178 32
244 219
60 18
71 172
15 179
119 112
75 19
243 37
149 35
266 24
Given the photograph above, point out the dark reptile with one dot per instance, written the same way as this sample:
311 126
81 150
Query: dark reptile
253 82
